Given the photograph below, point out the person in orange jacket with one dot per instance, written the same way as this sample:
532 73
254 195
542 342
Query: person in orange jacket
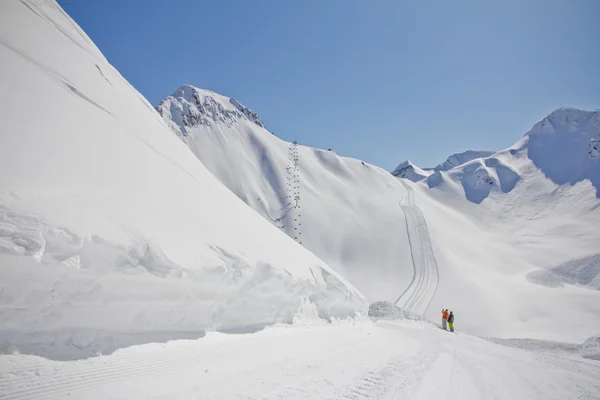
445 316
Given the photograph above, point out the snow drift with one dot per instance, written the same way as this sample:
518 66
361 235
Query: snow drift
108 223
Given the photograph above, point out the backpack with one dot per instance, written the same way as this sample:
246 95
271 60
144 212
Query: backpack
451 318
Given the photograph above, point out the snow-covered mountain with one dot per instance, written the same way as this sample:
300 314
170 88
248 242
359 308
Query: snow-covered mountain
113 233
460 158
563 147
189 107
408 170
109 224
335 194
468 237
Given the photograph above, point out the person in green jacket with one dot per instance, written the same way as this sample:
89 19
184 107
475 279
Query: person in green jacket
451 321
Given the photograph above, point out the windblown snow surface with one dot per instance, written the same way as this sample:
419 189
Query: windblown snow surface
113 234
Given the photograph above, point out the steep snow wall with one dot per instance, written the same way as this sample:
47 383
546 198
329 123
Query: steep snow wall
109 223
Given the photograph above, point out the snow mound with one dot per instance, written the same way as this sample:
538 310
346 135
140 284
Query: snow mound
385 309
591 348
109 224
410 171
461 158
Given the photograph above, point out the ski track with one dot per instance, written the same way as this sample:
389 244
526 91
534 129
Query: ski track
56 382
390 361
419 294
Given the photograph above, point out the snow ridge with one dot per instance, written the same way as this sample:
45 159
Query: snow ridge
189 107
410 171
461 158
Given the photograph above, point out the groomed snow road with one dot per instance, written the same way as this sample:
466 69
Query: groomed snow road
348 360
417 297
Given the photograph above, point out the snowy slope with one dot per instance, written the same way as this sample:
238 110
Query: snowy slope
525 215
468 237
408 170
384 361
460 158
349 214
109 224
414 173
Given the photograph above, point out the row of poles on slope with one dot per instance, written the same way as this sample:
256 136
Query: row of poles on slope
291 212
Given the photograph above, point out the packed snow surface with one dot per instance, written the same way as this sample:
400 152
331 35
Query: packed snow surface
111 230
346 360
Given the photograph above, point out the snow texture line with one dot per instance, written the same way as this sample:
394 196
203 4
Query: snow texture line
417 297
59 383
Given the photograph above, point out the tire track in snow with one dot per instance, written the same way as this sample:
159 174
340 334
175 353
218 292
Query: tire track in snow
52 383
390 382
419 294
446 379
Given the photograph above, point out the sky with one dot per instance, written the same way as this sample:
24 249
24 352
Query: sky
381 81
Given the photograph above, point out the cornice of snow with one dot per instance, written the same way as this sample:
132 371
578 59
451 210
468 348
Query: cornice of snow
190 106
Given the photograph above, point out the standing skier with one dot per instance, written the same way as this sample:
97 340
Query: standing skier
451 321
445 316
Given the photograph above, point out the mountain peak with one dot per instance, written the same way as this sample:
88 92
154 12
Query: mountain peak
567 120
190 106
410 171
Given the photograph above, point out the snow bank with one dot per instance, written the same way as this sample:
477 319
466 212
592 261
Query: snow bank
385 309
109 224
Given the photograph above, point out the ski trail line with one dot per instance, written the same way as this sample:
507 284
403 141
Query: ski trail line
58 384
419 294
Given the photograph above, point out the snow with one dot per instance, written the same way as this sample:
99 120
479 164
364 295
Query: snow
349 214
469 240
345 360
124 231
591 348
557 146
585 271
458 159
110 229
410 171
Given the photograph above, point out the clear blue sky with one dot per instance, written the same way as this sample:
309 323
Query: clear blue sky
382 81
